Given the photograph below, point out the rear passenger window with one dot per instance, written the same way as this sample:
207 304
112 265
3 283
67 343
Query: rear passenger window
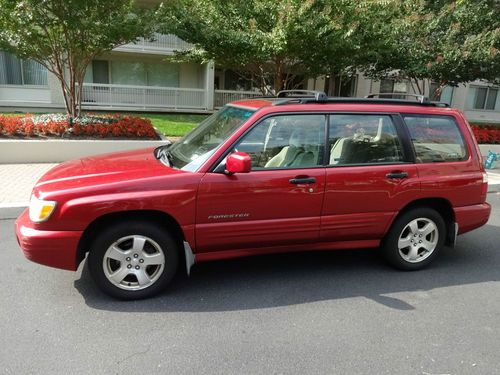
435 138
363 139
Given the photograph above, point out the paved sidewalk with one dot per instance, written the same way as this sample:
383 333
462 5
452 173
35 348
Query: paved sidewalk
494 181
17 180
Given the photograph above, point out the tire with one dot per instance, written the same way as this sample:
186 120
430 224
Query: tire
133 260
415 239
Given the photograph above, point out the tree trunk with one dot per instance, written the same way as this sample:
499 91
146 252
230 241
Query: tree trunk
263 86
58 71
419 89
278 77
72 89
79 97
65 96
439 90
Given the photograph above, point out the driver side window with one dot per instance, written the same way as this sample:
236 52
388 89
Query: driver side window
286 141
363 139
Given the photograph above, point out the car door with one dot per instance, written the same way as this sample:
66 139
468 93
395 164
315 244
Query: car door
369 178
279 202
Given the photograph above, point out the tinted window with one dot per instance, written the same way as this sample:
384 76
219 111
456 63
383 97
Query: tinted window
291 141
363 139
435 138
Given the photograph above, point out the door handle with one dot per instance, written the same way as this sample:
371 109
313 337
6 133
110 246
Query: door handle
397 174
302 180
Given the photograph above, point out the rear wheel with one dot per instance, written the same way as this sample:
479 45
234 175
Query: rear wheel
133 260
415 239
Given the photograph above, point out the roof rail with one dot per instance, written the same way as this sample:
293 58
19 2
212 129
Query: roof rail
348 100
390 95
319 96
311 96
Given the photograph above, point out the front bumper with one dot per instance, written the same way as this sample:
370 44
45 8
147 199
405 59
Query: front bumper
51 248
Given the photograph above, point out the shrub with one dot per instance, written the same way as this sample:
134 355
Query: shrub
58 125
9 125
486 133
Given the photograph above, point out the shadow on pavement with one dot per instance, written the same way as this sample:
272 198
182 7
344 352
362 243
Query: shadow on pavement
290 279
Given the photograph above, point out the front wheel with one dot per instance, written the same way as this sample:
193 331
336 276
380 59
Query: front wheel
133 260
415 239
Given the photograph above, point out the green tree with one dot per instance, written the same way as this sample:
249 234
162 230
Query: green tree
448 42
276 41
65 35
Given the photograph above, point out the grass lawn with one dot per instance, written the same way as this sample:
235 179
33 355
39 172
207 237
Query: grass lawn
174 125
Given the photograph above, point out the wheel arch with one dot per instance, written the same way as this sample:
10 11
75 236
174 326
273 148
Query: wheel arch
442 206
154 216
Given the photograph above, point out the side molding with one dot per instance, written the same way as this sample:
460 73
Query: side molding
188 252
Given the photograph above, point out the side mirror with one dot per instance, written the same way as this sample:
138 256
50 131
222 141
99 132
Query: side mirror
238 162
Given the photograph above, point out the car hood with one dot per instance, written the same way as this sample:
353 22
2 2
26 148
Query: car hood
104 169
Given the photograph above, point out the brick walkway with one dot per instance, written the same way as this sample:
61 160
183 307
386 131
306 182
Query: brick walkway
17 180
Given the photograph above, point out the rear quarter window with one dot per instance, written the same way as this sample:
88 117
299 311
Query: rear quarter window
436 138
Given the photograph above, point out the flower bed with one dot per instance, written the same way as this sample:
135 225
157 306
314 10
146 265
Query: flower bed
486 133
87 126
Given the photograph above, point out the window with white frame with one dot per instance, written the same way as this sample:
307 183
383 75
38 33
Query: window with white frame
133 73
486 98
15 71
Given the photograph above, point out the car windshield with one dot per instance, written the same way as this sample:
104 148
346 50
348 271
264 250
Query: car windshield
197 146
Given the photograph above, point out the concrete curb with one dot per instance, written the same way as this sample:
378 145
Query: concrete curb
12 211
494 188
13 151
489 147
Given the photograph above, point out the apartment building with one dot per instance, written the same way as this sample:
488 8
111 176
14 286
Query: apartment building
132 77
140 77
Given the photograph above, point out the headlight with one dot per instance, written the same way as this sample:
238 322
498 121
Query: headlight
40 210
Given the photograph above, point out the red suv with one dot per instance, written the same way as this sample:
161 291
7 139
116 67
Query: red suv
292 173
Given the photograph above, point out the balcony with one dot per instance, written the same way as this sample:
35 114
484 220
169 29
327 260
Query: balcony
223 97
156 98
160 44
142 97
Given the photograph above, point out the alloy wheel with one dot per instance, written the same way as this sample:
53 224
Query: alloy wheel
418 240
133 262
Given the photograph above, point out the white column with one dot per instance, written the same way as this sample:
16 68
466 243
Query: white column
209 86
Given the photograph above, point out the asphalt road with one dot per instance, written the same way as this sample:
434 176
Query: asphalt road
342 312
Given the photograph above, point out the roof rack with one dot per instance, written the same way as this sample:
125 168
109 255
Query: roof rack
319 96
300 93
297 97
390 95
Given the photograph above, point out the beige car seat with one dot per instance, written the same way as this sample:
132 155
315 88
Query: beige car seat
301 151
336 151
288 153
